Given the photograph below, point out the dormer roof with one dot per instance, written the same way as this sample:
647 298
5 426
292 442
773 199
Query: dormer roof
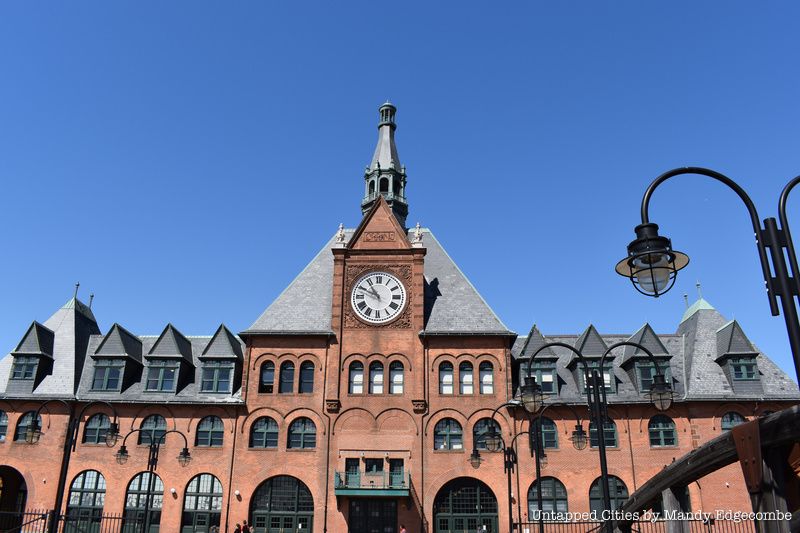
731 340
119 342
646 337
171 344
223 345
38 340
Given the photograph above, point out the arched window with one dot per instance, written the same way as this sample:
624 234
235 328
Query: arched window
482 427
153 428
356 377
371 186
609 434
486 375
202 504
94 432
302 434
136 503
446 378
264 433
282 503
306 377
23 424
396 377
549 433
554 497
3 426
662 431
396 189
376 378
384 185
465 378
731 419
617 492
447 435
287 378
87 495
267 379
210 432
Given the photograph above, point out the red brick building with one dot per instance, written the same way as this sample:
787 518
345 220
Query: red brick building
353 402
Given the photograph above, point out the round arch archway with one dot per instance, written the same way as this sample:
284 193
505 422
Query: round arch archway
13 490
465 505
282 503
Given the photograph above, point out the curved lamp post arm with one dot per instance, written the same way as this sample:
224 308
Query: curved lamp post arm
569 347
163 438
785 226
114 425
751 209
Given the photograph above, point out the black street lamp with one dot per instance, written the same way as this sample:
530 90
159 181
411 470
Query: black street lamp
34 432
660 394
652 265
152 462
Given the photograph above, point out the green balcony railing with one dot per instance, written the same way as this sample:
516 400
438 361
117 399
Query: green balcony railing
376 483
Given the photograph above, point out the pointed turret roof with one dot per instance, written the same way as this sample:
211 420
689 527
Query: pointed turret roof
223 345
171 344
385 155
119 342
38 340
731 340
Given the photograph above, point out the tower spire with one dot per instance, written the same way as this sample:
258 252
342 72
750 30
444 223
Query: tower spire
385 176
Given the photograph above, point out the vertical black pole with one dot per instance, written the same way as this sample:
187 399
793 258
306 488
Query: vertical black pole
596 407
62 475
538 429
152 460
509 467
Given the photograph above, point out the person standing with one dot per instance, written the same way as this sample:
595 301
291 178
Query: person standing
245 527
237 529
403 529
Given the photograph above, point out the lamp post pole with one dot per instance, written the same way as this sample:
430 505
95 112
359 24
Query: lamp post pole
652 265
34 432
154 447
660 395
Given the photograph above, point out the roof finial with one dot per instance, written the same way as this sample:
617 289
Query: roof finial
699 292
340 237
416 240
686 300
77 285
91 298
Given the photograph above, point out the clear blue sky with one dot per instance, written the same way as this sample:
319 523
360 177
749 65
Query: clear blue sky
185 160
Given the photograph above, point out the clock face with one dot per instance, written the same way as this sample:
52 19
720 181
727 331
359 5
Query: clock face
378 297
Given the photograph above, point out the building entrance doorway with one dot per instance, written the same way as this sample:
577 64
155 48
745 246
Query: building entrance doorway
372 516
465 505
282 504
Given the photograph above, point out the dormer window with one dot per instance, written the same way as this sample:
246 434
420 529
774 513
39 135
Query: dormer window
107 374
544 372
24 367
607 373
646 371
162 376
744 368
217 377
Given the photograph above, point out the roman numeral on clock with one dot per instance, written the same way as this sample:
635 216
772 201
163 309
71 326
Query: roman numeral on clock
367 312
361 306
394 306
379 279
397 297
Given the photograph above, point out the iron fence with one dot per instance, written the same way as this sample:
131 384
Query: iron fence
30 521
658 526
103 523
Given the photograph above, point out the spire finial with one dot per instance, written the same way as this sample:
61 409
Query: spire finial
77 286
686 300
699 292
91 299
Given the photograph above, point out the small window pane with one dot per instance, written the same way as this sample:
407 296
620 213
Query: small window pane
465 378
396 377
486 375
446 378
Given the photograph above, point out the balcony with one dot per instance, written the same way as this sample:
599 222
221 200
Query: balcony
388 484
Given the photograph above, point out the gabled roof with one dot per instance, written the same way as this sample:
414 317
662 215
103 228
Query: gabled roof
590 344
223 345
452 304
119 342
731 340
647 338
38 340
171 344
533 342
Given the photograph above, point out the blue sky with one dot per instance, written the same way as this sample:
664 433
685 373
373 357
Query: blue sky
185 160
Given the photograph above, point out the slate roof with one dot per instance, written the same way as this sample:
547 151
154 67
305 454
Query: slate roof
452 305
692 353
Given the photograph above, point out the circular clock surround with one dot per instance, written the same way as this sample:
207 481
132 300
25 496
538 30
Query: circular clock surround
378 297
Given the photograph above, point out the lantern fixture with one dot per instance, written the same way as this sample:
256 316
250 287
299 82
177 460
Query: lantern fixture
122 455
112 434
661 393
184 458
578 437
532 397
475 458
651 265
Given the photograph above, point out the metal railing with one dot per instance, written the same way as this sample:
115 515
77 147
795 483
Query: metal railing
371 480
105 523
30 521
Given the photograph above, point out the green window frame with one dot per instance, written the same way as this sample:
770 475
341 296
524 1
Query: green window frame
662 431
617 492
153 428
216 377
23 424
286 385
302 434
162 376
554 497
609 434
210 432
264 433
136 500
730 420
108 374
545 374
87 496
480 428
607 374
744 368
646 371
202 501
306 385
3 426
266 382
95 429
549 433
24 367
448 435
